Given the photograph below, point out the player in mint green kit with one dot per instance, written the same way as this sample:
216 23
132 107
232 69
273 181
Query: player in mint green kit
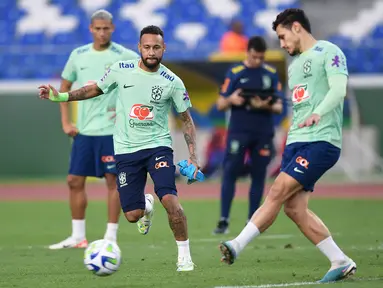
92 149
142 141
318 81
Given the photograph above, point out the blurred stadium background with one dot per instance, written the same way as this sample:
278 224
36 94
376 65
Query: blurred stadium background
36 38
38 35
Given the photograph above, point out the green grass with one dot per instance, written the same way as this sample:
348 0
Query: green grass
149 261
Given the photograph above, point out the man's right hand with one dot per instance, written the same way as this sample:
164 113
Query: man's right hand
49 92
70 129
235 99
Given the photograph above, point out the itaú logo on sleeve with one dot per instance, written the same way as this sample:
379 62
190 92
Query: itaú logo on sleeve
141 112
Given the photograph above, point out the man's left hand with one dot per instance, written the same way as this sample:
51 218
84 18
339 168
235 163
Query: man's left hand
313 119
194 161
258 103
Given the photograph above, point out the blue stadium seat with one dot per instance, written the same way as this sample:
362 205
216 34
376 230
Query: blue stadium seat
369 67
6 38
255 31
12 72
45 72
340 40
65 38
122 2
64 2
253 6
378 32
125 32
295 4
6 5
32 39
363 57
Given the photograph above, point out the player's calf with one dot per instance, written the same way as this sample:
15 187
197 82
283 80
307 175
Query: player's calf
178 224
176 216
77 196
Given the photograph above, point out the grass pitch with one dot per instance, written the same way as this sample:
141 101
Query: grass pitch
280 257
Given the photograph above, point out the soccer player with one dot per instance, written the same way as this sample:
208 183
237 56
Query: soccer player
251 126
318 80
142 142
92 149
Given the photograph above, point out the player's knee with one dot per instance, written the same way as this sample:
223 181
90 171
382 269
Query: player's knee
171 205
134 216
291 212
75 183
295 213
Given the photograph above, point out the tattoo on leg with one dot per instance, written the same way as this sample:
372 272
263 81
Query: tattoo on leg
178 224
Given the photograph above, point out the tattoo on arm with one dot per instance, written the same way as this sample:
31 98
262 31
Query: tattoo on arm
189 134
86 92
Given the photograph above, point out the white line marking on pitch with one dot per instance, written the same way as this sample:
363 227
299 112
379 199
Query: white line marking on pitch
271 285
298 283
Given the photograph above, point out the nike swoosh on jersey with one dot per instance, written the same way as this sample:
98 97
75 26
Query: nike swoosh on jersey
128 86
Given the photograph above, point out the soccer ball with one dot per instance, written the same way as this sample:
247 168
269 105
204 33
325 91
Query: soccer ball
102 257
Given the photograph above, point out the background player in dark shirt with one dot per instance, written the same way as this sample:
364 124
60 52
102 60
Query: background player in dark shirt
251 127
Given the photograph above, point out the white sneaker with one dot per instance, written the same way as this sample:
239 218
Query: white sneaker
339 271
145 222
184 265
69 243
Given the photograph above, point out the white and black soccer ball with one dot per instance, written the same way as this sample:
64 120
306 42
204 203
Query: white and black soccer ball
102 257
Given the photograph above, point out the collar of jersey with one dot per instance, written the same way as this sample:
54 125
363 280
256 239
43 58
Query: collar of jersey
146 72
96 51
308 50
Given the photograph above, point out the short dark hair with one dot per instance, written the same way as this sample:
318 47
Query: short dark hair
257 43
151 29
289 16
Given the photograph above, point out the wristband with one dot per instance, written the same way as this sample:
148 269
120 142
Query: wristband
61 97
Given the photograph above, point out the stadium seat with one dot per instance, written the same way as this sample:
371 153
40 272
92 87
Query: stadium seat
193 27
378 32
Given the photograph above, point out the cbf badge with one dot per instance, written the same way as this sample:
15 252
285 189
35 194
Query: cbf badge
266 80
234 146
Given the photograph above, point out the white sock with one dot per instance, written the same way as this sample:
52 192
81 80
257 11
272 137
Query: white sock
183 250
78 229
148 206
247 234
329 248
111 232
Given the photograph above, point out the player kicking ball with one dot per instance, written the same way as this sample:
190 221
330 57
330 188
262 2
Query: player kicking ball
142 141
318 80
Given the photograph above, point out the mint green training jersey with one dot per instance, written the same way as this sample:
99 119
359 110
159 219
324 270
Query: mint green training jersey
85 66
308 80
143 104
